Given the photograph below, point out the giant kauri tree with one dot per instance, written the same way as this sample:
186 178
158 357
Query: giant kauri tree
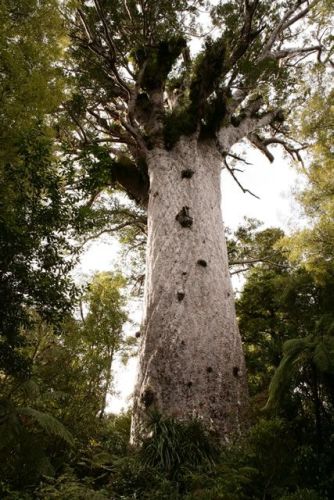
160 120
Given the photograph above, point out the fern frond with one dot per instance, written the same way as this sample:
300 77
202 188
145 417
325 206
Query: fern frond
323 357
48 423
281 379
312 349
9 425
30 389
295 346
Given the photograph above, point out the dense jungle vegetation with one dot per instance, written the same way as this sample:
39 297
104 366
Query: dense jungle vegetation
59 340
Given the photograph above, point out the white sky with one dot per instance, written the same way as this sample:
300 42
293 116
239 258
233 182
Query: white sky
273 183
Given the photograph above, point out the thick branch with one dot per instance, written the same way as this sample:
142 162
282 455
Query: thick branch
262 144
134 93
134 181
294 51
122 171
227 136
247 35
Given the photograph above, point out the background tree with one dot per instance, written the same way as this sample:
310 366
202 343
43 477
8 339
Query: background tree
249 246
53 418
35 208
278 304
103 329
313 244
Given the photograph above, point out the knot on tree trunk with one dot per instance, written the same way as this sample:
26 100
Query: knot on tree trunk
147 397
187 174
184 218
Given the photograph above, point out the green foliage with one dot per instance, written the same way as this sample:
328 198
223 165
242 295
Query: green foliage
131 478
184 119
69 487
48 423
273 460
159 61
56 440
35 214
179 122
314 351
249 246
174 445
313 245
59 412
131 53
26 434
36 210
303 494
279 303
32 41
285 309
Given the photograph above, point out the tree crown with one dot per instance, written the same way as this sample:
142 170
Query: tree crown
142 85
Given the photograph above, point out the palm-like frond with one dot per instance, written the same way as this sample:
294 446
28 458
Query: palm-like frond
314 350
323 356
30 389
9 424
48 423
281 380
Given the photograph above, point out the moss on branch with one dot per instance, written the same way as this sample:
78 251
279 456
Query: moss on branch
204 107
159 61
208 69
132 177
180 121
104 171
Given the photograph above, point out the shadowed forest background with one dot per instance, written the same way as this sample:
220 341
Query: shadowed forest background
59 339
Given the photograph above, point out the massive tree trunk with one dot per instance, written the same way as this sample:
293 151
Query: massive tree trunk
191 360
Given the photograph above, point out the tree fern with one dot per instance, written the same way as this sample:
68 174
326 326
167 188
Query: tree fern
316 351
30 389
323 356
9 424
280 380
48 423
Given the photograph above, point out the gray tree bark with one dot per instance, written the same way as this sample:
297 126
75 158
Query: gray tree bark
191 359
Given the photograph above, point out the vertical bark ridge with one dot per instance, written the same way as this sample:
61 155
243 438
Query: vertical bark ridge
191 361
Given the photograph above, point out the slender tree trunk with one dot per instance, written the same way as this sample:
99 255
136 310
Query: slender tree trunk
107 383
191 360
317 409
